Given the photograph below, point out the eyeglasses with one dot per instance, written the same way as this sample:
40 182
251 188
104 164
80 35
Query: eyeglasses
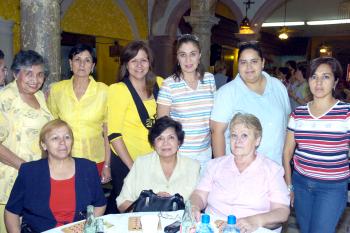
188 37
169 216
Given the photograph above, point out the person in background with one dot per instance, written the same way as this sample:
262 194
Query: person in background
300 94
318 142
244 183
3 70
283 75
163 170
220 74
256 92
127 132
292 66
55 190
188 96
82 103
23 112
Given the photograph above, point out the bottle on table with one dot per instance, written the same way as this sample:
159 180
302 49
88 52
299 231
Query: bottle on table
99 226
188 224
90 223
231 225
204 226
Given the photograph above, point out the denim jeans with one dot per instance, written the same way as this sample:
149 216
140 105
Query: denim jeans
318 205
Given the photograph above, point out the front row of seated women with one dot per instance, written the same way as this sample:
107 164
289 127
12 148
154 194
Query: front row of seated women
246 184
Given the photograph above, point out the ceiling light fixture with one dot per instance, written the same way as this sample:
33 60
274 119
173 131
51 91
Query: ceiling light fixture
283 35
244 27
281 24
328 22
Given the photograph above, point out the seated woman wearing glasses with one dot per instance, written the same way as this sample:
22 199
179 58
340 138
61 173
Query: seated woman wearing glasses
55 190
163 171
244 183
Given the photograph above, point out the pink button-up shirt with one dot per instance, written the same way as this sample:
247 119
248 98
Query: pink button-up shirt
243 194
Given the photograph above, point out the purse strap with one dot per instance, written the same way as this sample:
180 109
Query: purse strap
141 109
131 207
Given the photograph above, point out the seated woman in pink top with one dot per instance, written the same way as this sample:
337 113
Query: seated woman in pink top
245 184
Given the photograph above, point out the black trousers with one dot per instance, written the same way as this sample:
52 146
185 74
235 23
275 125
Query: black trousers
118 172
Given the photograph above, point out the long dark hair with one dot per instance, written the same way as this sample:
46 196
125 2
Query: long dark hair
188 38
128 53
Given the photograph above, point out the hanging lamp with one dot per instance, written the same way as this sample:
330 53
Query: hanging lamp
283 33
244 27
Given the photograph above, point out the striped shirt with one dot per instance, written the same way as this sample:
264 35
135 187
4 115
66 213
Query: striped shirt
322 142
192 108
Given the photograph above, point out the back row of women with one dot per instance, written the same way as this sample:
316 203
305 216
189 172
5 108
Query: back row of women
319 130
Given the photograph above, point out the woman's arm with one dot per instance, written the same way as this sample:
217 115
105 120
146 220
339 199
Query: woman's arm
106 171
273 219
199 201
218 138
120 147
162 110
99 210
288 151
9 158
12 222
122 207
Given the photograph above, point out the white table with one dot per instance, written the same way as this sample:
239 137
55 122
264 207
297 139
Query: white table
120 222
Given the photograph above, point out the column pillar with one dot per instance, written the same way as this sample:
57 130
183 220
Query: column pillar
40 31
202 19
6 45
163 50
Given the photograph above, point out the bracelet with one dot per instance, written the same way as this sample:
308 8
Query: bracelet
106 165
290 188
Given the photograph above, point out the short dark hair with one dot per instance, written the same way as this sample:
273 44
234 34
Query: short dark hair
250 45
28 58
188 38
336 68
2 55
79 48
161 124
129 52
303 68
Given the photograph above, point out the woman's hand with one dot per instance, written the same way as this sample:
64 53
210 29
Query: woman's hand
196 213
292 199
106 175
247 224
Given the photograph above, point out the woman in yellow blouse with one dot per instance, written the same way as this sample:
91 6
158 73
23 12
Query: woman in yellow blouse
23 112
82 103
127 133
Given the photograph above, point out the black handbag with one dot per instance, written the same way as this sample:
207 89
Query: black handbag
148 201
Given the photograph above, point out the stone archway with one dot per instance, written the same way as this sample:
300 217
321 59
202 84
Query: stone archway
65 4
165 18
164 27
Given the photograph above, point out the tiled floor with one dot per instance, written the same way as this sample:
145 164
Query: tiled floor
343 227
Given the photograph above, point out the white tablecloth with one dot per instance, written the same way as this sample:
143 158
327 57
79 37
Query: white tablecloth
120 222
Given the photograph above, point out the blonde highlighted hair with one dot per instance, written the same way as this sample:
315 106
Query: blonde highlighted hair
248 120
49 127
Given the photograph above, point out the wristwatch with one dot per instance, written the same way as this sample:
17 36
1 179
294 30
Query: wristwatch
290 188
